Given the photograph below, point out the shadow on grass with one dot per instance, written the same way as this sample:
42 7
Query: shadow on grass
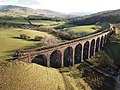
33 40
16 37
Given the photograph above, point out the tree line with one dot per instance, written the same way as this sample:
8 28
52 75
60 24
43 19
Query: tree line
33 17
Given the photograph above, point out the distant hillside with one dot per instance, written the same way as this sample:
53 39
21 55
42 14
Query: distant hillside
110 16
30 11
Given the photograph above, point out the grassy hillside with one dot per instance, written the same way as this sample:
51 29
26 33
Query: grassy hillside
25 11
24 76
47 23
113 48
9 40
43 23
17 75
82 30
18 21
109 16
13 14
82 77
73 78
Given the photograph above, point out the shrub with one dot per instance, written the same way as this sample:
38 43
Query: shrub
27 38
38 38
50 41
24 36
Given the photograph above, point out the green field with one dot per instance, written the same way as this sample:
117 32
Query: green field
9 41
82 30
13 14
43 23
18 21
47 23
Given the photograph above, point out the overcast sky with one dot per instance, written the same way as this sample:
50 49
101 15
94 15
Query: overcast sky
67 6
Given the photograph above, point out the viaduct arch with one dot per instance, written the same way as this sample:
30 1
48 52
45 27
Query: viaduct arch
68 53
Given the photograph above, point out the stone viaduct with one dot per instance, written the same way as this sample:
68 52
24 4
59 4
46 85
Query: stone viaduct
67 53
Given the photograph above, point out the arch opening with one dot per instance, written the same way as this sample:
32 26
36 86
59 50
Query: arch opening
86 51
55 59
108 35
101 42
105 39
92 47
78 51
68 56
97 44
40 59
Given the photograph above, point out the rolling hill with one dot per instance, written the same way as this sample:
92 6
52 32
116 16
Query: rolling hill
30 11
10 41
18 75
110 16
102 13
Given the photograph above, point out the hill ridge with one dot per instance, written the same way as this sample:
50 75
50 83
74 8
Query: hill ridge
30 11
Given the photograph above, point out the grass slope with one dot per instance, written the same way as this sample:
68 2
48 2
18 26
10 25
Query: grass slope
17 75
43 22
13 14
17 21
24 76
47 23
113 48
8 42
82 77
82 30
73 78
